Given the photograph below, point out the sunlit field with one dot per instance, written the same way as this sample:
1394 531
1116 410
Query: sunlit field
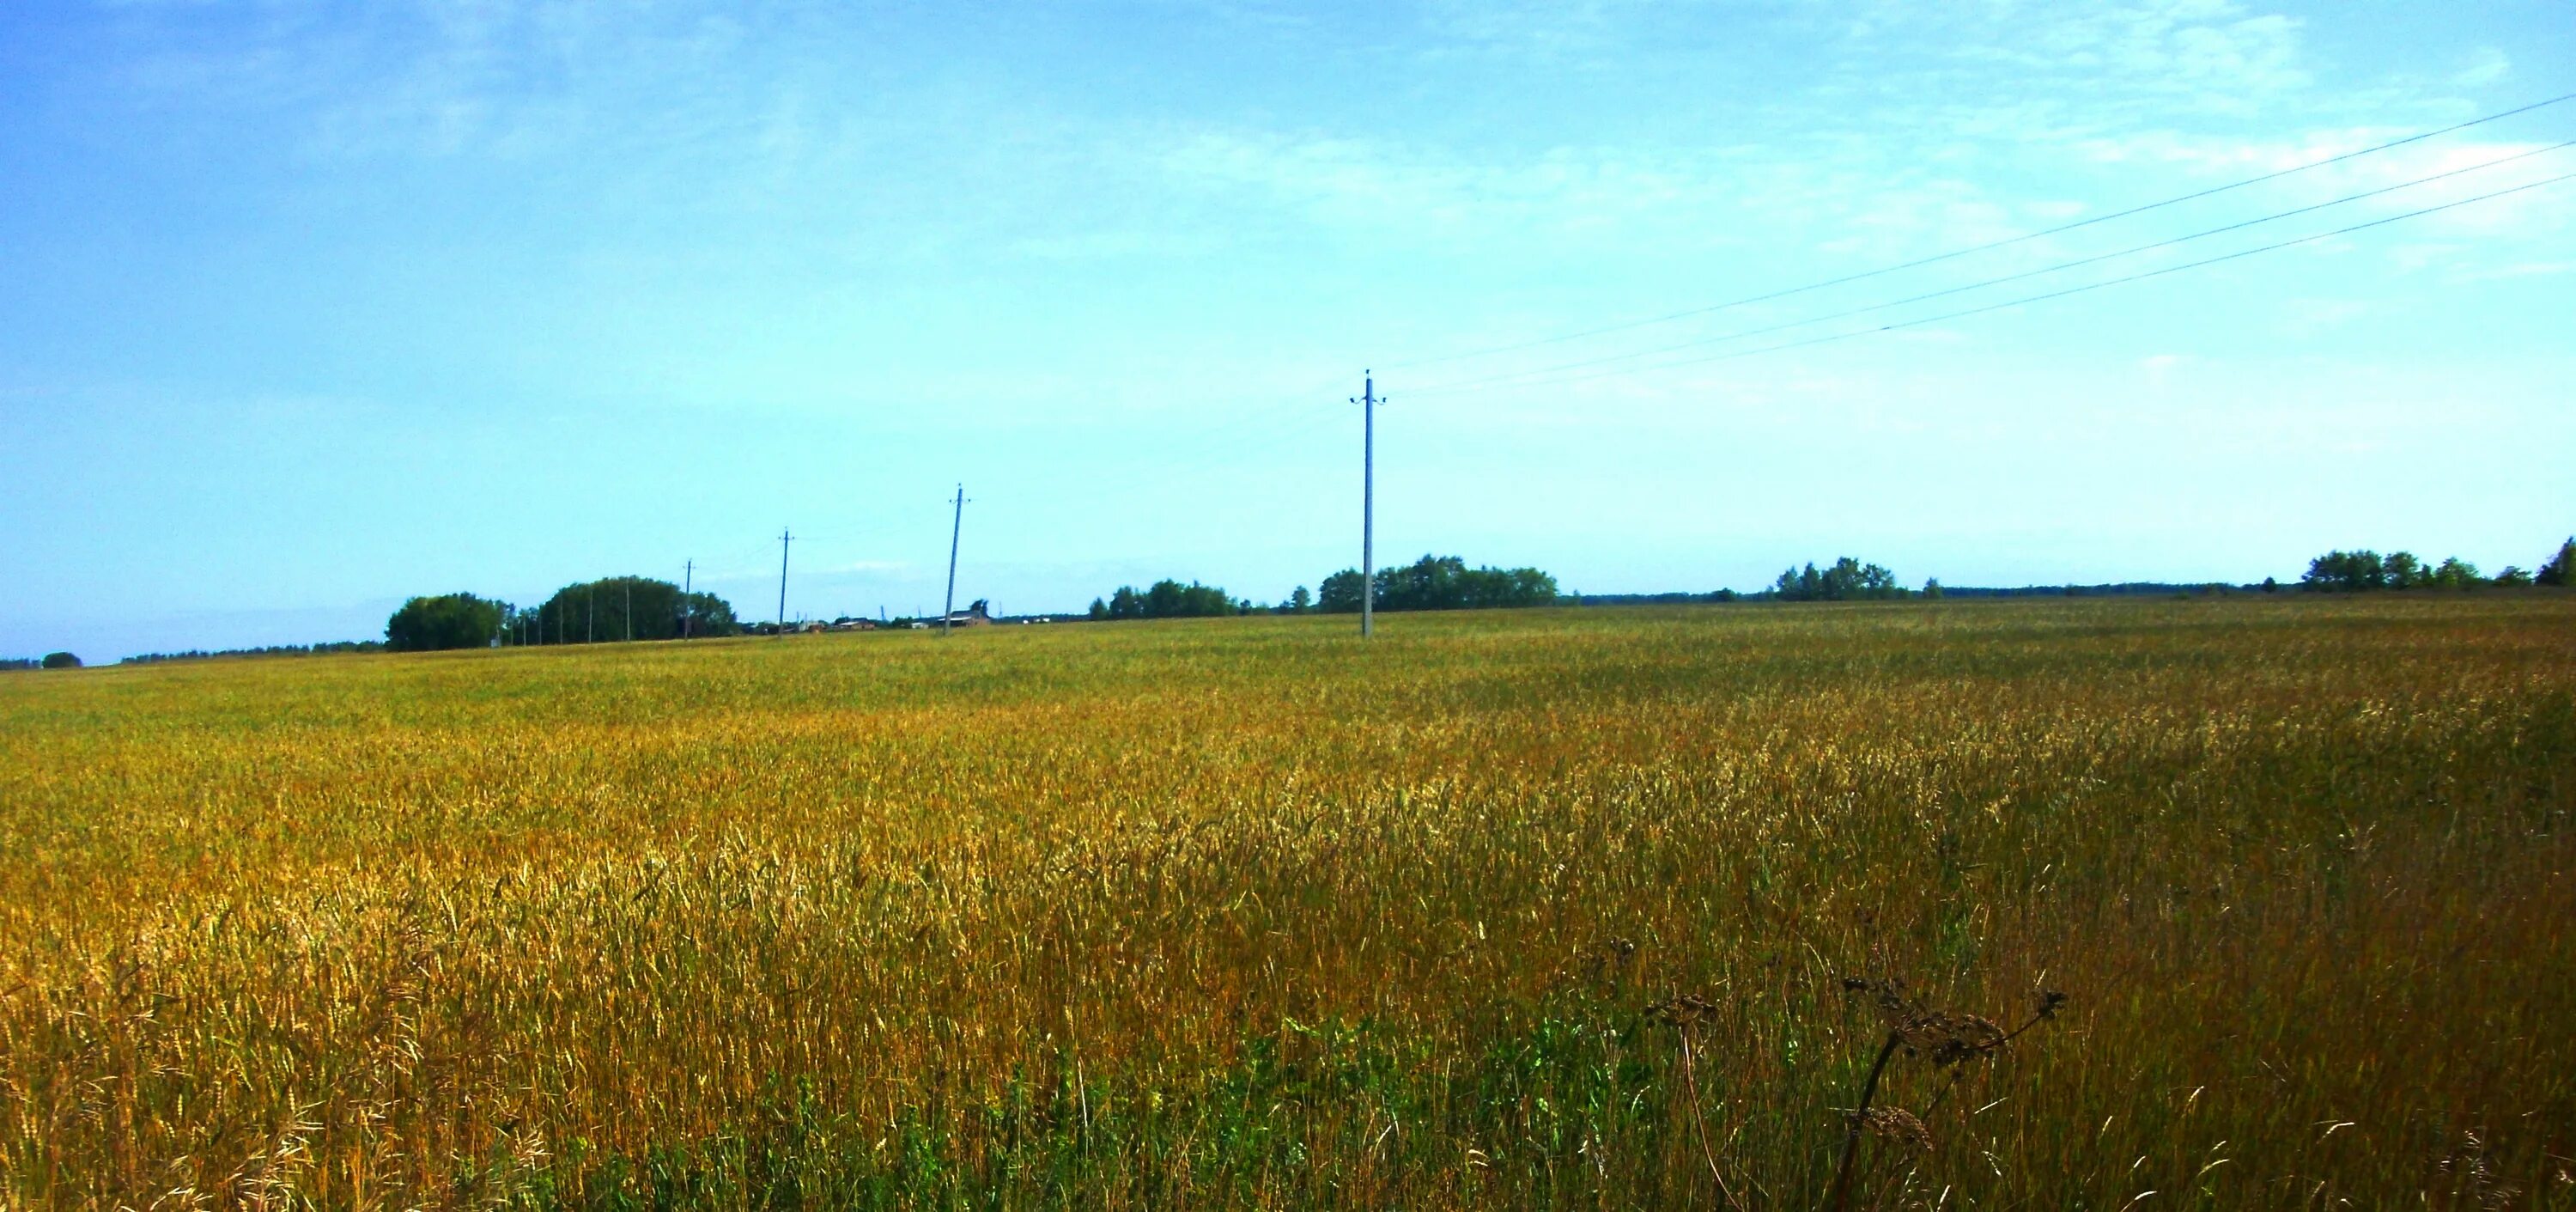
1517 909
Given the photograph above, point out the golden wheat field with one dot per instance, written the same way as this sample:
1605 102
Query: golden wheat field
1519 909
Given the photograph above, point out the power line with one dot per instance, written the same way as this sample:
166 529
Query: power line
1978 248
1739 334
2054 294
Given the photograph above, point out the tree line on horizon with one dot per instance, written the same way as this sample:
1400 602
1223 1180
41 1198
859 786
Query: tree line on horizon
325 648
1433 582
1446 583
611 609
2362 571
600 610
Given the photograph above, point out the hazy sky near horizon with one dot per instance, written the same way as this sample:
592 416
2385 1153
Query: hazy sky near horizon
309 307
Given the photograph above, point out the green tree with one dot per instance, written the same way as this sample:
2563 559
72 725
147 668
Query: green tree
1166 599
1440 583
1300 601
2346 572
61 660
599 610
452 620
2403 571
1848 580
1340 592
2455 573
2561 568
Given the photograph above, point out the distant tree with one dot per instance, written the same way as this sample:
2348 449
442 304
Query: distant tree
597 610
2561 568
2403 571
326 648
1099 610
1848 580
1440 583
1340 592
1300 601
2512 576
2271 586
1932 588
1168 599
2346 572
453 620
61 660
2455 573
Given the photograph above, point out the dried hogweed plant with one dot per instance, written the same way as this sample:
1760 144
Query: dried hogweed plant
1685 1013
1949 1039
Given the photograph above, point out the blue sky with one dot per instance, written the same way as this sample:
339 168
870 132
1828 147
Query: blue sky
309 307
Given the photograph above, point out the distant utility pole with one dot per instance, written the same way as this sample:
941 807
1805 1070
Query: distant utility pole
1368 400
688 583
784 539
954 529
955 525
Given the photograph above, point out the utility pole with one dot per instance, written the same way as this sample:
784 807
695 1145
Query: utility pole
1368 400
784 539
688 583
955 526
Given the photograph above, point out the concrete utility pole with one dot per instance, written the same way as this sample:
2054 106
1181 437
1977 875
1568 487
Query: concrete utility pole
955 526
783 539
688 583
1368 400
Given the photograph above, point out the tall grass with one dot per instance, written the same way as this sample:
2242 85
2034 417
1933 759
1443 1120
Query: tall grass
1241 913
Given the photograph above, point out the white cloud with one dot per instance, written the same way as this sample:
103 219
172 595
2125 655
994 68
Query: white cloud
2520 269
2486 67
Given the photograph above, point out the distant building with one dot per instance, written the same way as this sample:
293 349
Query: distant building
976 614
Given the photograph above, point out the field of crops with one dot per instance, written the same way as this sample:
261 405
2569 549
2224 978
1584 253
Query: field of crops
1515 909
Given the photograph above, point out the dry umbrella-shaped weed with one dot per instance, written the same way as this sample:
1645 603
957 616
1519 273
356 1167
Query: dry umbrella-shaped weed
1684 1013
1947 1038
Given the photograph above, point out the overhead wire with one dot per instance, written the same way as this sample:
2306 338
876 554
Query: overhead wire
2374 149
2055 294
1508 378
